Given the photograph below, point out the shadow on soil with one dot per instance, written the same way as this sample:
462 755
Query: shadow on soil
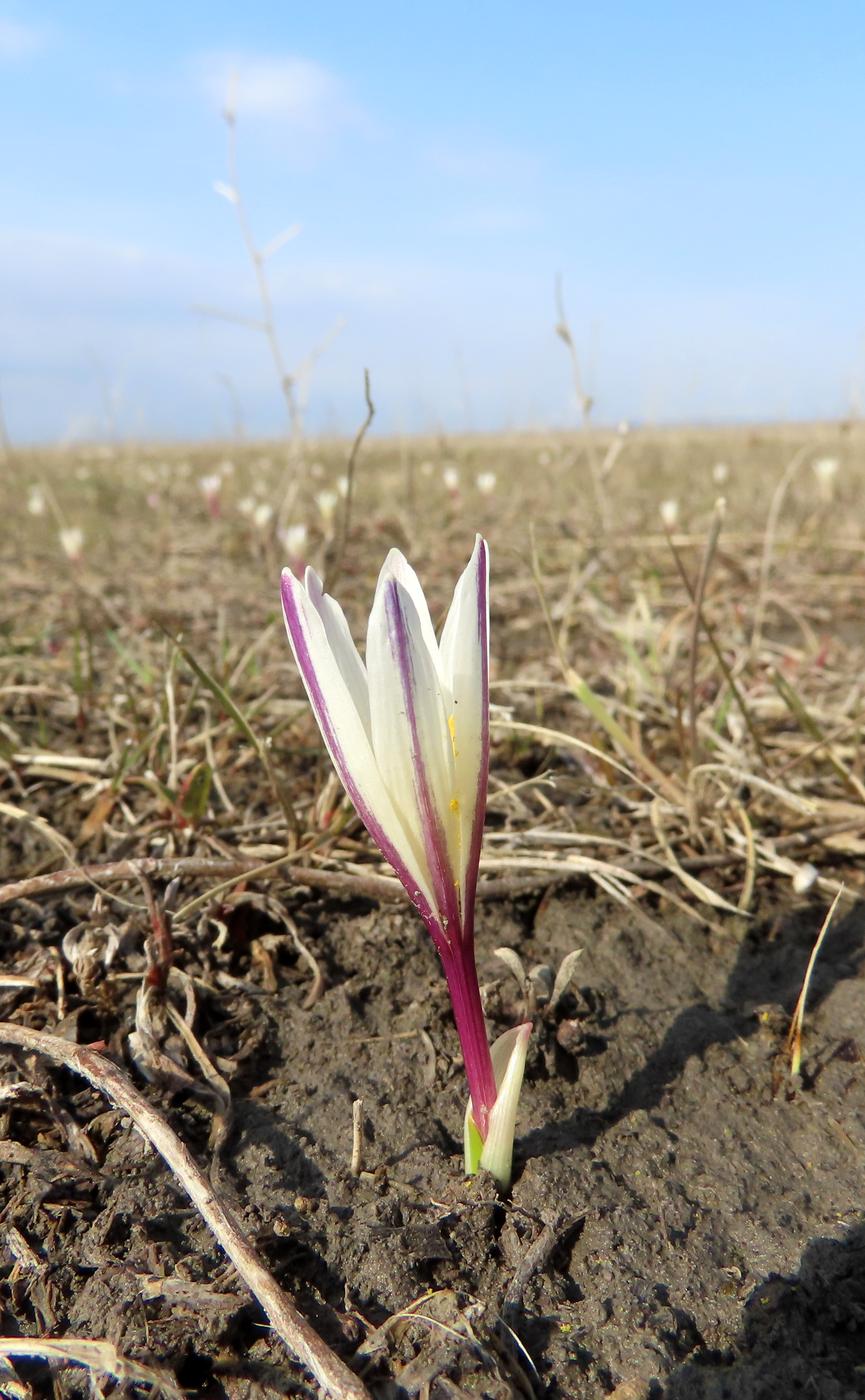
800 1336
769 970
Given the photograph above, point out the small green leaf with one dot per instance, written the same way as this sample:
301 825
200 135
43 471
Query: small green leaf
196 796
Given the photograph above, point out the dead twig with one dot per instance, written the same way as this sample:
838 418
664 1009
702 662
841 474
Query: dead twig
303 1343
345 520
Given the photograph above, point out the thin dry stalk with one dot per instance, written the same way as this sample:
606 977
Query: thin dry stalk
345 520
699 595
769 542
586 403
794 1035
302 1342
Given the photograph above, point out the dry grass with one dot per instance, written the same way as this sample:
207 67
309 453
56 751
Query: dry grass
641 740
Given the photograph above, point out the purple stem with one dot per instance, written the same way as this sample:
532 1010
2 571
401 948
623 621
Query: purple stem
462 979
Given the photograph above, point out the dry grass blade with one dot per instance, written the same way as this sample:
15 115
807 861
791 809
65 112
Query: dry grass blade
235 713
97 1355
794 1035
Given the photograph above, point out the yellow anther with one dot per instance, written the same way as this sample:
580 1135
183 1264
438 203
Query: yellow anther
452 728
455 805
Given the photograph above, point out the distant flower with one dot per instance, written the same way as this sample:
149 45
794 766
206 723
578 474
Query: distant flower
826 470
451 480
36 500
262 515
153 500
486 483
720 473
669 511
211 487
342 485
805 878
246 505
624 428
293 541
327 501
72 542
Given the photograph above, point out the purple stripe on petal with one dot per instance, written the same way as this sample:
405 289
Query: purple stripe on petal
473 861
435 840
299 638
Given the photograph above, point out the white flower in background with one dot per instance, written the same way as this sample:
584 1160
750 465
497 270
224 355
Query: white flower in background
451 479
327 502
342 485
486 483
211 486
720 473
826 470
72 542
152 499
262 515
246 505
805 878
407 730
624 428
669 511
293 540
36 500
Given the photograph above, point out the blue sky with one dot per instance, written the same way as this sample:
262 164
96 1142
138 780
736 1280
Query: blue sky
695 174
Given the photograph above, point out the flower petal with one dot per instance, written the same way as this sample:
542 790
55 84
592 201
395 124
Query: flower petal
348 743
411 739
465 665
345 652
396 566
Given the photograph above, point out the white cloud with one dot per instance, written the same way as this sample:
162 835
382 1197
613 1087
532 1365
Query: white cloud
297 92
468 161
490 221
18 40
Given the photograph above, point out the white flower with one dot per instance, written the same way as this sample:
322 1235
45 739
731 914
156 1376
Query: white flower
262 515
486 483
36 500
805 878
246 505
342 485
669 511
720 473
327 502
293 540
451 479
408 734
72 542
826 470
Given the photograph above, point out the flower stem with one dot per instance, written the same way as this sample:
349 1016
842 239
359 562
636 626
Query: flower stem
462 978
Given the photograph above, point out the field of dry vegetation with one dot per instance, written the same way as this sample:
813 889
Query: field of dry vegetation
677 788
